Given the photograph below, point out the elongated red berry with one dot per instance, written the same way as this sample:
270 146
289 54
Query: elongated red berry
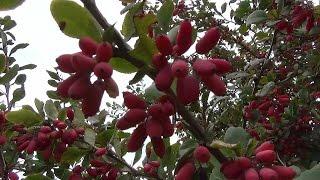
70 113
184 36
3 140
32 146
222 66
137 138
113 174
156 110
215 84
158 146
268 145
159 61
266 156
13 176
103 70
46 153
179 50
63 87
164 45
251 174
104 52
91 103
168 128
132 101
204 67
231 169
131 119
268 174
208 41
188 89
179 68
88 46
82 63
65 63
244 162
69 136
202 154
111 88
80 87
100 151
284 172
164 78
186 172
154 127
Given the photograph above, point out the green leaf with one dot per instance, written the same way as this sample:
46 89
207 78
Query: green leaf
142 23
78 117
104 137
18 94
152 93
25 117
145 48
137 77
122 65
223 7
9 4
90 136
54 75
51 110
137 156
266 89
108 34
72 155
237 135
9 75
187 146
164 14
37 177
256 17
18 46
312 174
128 26
28 66
21 78
2 62
39 105
74 20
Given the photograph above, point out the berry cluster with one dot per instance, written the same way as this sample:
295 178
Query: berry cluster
154 123
78 86
151 167
262 166
98 169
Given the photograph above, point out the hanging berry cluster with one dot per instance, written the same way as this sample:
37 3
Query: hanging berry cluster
262 166
78 86
153 121
208 70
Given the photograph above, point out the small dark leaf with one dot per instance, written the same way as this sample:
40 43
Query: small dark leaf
18 46
21 78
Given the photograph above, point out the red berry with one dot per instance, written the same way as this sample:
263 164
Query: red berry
104 52
188 89
61 125
154 127
158 146
179 50
63 87
164 45
80 130
111 88
70 113
156 110
80 87
268 145
91 103
101 151
137 138
231 169
208 41
132 101
82 63
45 129
65 63
215 84
184 36
155 164
202 154
266 156
222 66
284 172
75 176
13 176
69 136
88 46
268 174
179 68
204 67
251 174
159 61
3 140
113 173
164 78
46 153
168 128
97 163
131 119
281 25
42 137
244 162
92 172
186 172
32 146
103 70
78 169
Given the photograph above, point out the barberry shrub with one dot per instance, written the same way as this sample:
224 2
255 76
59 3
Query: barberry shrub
234 94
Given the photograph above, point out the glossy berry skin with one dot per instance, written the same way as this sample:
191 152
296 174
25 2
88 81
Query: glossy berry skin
215 84
251 174
164 45
156 110
137 138
103 70
82 63
158 146
184 36
268 145
65 63
131 119
70 113
204 67
159 61
266 156
154 127
69 136
231 169
88 46
208 41
80 87
244 162
132 101
100 151
164 78
111 88
179 68
202 154
186 172
268 174
91 103
222 66
63 86
13 176
104 52
188 89
284 172
168 128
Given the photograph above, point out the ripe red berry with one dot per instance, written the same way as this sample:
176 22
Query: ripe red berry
184 36
80 130
32 146
159 61
3 140
202 154
93 172
63 87
168 128
42 137
82 63
137 138
75 176
131 119
204 67
158 146
88 46
188 89
70 113
113 174
13 176
215 84
268 174
45 129
164 45
179 68
266 156
164 78
231 169
284 172
244 162
208 41
111 88
222 66
156 110
104 52
186 172
251 174
80 87
154 127
268 145
46 153
69 136
132 101
103 70
101 151
65 63
91 103
97 163
281 25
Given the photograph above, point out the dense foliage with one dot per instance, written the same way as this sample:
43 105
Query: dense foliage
235 94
